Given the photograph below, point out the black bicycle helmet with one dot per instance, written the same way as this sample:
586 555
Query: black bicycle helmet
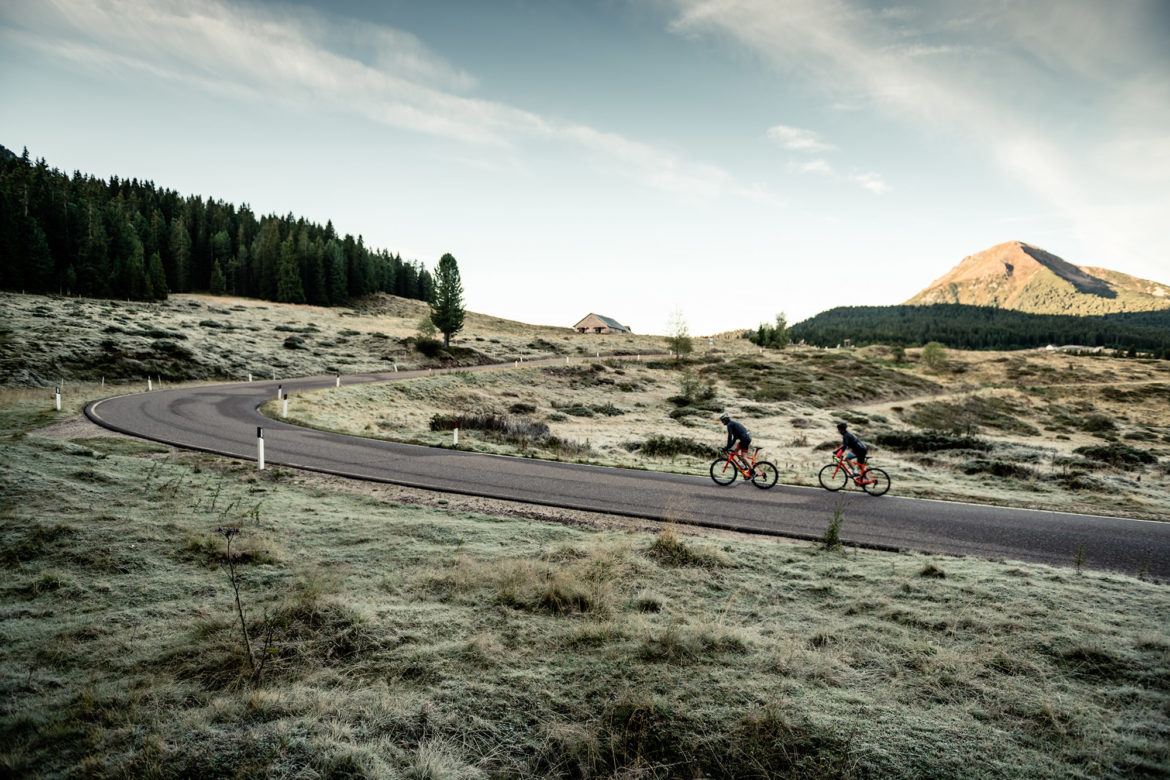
842 426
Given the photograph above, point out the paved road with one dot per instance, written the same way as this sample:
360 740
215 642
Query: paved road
223 419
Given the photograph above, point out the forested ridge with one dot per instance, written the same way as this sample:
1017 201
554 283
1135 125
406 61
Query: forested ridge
982 327
125 238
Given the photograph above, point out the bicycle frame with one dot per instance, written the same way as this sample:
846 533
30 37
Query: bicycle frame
751 462
843 464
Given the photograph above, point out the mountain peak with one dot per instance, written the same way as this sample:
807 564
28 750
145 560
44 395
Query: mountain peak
1017 275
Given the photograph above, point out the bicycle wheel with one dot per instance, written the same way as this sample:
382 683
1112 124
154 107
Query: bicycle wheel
833 477
723 472
876 482
765 476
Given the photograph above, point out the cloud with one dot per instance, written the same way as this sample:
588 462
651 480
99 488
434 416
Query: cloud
1045 88
872 182
818 166
798 140
301 60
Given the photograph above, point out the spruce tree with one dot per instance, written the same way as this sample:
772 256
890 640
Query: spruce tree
289 288
218 283
446 299
158 277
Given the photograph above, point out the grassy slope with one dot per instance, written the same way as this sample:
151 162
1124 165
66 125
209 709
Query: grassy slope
43 339
423 641
1032 409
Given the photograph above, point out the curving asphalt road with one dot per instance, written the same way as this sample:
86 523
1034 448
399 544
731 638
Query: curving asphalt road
224 419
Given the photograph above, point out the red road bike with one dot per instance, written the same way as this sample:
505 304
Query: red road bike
837 475
763 474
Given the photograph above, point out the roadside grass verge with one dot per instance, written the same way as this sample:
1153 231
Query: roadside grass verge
427 642
979 443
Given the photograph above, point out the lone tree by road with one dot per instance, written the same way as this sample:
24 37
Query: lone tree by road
678 336
447 299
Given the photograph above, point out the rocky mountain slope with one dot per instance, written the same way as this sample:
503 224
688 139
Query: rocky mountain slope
1018 276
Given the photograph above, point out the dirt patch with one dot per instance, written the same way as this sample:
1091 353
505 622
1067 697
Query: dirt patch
78 427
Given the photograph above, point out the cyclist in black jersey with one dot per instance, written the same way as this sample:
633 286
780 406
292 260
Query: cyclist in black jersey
738 439
856 448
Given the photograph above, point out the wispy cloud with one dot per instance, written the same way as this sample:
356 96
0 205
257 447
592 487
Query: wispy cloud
296 58
798 140
1004 78
872 182
818 166
802 141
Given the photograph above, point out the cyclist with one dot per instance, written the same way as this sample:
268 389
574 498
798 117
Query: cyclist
738 439
853 444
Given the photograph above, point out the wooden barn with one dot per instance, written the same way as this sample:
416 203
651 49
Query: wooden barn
597 323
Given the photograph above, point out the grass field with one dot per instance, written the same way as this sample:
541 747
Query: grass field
354 630
1085 434
407 634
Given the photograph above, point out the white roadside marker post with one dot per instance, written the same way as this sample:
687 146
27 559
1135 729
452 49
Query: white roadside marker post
279 391
339 380
249 376
149 384
260 448
58 395
456 434
285 412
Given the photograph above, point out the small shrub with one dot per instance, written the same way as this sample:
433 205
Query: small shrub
932 571
429 347
929 441
1116 455
998 468
832 538
934 356
521 408
659 446
670 550
507 427
1098 423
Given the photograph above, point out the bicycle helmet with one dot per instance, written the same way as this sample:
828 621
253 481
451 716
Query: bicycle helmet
724 417
842 426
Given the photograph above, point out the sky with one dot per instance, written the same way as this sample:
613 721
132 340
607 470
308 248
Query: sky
721 161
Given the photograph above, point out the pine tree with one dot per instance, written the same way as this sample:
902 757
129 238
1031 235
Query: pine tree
218 283
180 244
289 288
447 299
158 278
335 271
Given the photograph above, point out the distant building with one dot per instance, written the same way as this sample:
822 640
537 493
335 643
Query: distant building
1074 348
596 323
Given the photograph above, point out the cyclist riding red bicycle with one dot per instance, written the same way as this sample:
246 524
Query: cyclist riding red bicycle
738 439
853 444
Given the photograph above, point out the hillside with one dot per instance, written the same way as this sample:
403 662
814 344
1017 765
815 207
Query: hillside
1018 276
45 339
413 633
982 327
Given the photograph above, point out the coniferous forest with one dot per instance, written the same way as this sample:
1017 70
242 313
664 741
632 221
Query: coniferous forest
983 327
125 238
